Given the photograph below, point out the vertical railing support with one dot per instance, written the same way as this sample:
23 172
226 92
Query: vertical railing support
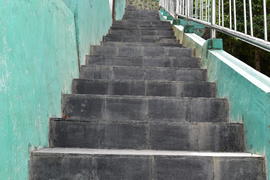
113 10
265 20
213 21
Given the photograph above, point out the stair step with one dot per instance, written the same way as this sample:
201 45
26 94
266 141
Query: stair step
221 137
142 32
135 27
135 38
139 73
144 88
153 37
181 62
143 25
144 108
163 42
99 164
130 50
132 16
142 22
142 13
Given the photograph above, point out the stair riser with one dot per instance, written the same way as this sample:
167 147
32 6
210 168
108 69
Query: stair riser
143 26
141 14
116 167
132 73
142 23
140 17
136 15
149 37
142 32
88 107
143 88
140 51
183 62
197 137
162 40
133 27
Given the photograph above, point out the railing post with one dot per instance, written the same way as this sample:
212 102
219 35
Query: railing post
213 22
113 10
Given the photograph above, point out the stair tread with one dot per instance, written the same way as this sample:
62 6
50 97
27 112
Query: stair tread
145 122
132 152
142 97
142 68
154 81
144 87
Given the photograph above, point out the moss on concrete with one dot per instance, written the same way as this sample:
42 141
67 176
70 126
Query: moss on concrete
144 4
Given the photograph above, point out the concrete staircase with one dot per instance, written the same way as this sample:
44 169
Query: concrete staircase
142 110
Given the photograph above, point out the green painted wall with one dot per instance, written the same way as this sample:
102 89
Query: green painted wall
38 59
246 89
37 62
93 20
248 103
120 6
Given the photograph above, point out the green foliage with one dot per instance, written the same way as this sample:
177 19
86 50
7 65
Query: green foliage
255 57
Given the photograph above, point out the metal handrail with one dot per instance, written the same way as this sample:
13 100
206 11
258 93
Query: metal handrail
211 13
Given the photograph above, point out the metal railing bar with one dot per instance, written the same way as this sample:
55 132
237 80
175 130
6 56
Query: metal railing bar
244 37
213 21
230 13
200 9
234 12
209 11
219 13
251 18
245 15
265 20
222 9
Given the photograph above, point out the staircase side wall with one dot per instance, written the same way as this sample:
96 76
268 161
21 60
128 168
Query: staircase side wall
93 19
39 43
246 89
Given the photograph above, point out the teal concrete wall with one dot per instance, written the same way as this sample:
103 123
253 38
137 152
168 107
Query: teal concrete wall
120 9
249 104
247 90
38 59
91 30
37 63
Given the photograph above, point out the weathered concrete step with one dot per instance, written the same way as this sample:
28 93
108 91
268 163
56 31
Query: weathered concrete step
142 22
140 10
217 137
141 13
144 108
99 164
128 36
141 25
144 38
132 16
142 73
136 14
142 32
163 42
144 88
182 62
131 50
135 27
132 41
